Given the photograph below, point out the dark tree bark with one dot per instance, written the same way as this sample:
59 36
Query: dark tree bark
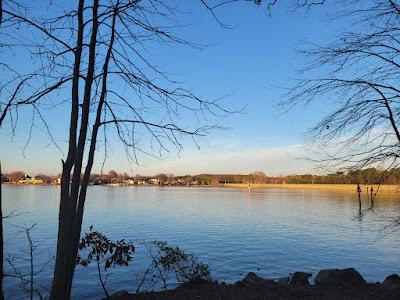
1 239
74 214
1 11
68 238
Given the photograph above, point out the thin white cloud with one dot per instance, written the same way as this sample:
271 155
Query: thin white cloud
272 161
227 158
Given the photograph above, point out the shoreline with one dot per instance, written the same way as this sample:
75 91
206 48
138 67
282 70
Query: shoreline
328 284
349 188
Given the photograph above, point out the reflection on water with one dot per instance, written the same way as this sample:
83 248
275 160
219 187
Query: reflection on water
271 232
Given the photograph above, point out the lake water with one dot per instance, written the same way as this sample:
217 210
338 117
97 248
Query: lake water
271 232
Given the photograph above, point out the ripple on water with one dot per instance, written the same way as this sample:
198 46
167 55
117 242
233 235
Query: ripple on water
271 232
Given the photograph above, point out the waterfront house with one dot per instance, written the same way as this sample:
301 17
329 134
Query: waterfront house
30 180
129 182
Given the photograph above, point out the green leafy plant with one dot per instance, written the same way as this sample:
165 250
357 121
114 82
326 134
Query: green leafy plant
100 249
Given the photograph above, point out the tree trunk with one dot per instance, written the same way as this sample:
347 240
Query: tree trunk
1 11
60 287
68 232
1 240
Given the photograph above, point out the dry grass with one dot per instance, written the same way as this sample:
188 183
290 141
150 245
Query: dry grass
385 189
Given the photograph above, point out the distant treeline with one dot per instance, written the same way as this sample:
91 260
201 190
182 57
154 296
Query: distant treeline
365 176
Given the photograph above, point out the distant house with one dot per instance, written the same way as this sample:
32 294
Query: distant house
154 181
30 180
129 182
57 181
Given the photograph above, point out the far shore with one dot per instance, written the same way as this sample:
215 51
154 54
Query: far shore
348 188
352 188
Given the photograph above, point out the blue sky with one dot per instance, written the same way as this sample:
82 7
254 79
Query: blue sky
253 59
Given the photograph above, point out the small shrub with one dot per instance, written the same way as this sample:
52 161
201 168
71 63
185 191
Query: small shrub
104 252
167 262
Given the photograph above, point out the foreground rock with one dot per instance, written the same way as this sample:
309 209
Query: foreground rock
332 285
300 278
252 280
284 281
340 277
392 280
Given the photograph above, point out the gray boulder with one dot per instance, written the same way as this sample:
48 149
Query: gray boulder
392 280
251 279
284 281
300 278
120 295
340 277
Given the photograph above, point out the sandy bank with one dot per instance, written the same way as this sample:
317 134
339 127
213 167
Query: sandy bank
352 188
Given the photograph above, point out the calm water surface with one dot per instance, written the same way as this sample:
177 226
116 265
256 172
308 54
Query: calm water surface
271 232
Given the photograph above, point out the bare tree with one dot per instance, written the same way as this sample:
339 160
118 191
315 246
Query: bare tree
170 263
357 77
27 279
78 50
1 237
81 50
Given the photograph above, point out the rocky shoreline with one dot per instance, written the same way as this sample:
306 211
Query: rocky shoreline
328 284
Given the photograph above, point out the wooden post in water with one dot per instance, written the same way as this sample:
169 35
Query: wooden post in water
359 196
372 196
